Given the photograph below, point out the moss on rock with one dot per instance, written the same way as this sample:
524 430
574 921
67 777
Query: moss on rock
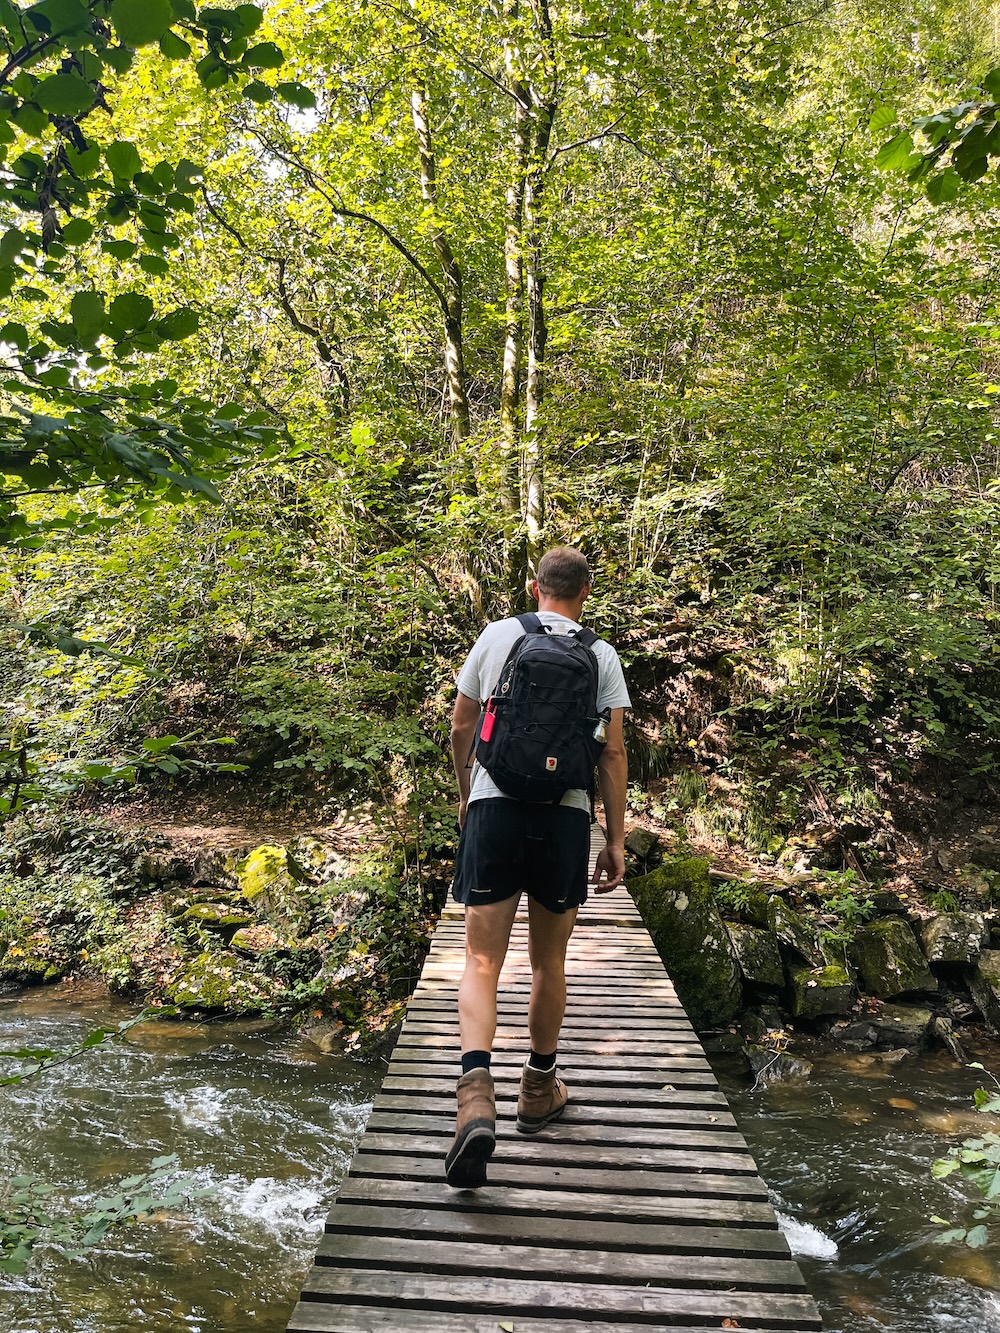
889 960
266 882
218 917
678 907
757 954
218 981
817 991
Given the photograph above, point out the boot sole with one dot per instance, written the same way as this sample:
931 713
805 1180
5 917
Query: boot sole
526 1126
465 1165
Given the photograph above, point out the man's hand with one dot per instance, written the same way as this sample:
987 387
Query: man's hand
463 810
610 862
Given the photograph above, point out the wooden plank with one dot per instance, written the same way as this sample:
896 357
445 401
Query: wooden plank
522 1260
611 1136
319 1317
676 1072
582 1234
531 1149
663 1116
512 1296
653 1207
675 1094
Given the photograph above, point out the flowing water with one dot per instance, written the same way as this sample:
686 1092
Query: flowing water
847 1156
269 1124
256 1117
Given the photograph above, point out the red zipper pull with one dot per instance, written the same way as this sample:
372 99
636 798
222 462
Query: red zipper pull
489 717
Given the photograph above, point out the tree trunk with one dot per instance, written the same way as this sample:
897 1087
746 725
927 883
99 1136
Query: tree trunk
451 270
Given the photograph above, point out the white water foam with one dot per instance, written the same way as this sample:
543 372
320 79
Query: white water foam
806 1240
202 1108
279 1206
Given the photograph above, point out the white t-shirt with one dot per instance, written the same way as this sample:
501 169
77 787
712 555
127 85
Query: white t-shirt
482 671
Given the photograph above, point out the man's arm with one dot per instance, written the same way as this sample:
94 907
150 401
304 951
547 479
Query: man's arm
464 721
613 769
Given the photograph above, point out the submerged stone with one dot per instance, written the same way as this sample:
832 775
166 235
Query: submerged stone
817 991
757 954
954 937
679 910
889 960
771 1066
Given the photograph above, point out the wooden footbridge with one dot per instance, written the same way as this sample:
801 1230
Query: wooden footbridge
640 1209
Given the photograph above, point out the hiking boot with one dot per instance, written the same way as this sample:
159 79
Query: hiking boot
475 1131
541 1099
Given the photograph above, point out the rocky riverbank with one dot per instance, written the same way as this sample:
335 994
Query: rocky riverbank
870 968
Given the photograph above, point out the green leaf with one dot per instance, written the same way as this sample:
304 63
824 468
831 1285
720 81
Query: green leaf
173 47
178 324
212 72
131 310
188 176
16 335
119 249
76 231
977 1237
264 56
88 314
882 117
120 58
991 82
896 153
942 187
65 95
258 92
123 159
140 22
154 264
297 94
249 17
58 17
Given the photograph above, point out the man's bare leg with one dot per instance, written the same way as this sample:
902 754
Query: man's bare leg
487 935
548 936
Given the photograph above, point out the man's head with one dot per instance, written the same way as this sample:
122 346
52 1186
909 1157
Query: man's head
563 576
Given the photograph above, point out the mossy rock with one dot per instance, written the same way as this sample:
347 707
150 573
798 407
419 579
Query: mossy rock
678 907
217 981
217 917
954 937
984 983
818 991
757 954
889 960
266 882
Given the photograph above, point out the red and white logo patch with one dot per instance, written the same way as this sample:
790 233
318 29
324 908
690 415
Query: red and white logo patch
551 764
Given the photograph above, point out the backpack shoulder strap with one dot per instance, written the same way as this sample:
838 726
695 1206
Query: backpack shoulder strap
587 637
530 623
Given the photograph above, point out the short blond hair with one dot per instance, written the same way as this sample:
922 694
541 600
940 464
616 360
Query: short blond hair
563 573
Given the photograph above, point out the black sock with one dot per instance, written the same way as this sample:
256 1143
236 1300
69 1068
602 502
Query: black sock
475 1060
543 1063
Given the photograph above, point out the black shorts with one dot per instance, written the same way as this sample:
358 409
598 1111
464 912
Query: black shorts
509 846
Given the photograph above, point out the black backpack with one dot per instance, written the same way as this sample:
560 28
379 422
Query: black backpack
536 737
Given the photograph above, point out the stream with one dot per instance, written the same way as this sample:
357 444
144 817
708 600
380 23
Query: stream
269 1124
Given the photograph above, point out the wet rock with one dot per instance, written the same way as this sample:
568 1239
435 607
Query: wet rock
771 1066
679 910
266 882
217 917
954 937
859 1036
889 960
941 1028
327 1037
791 930
757 954
215 981
984 983
902 1025
893 1058
755 1024
723 1043
817 991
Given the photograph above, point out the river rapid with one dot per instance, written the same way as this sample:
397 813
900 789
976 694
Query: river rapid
269 1125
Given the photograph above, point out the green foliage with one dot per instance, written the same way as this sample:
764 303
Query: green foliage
26 1219
943 900
36 1061
976 1160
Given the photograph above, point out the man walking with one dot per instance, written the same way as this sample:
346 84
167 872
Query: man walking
542 848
